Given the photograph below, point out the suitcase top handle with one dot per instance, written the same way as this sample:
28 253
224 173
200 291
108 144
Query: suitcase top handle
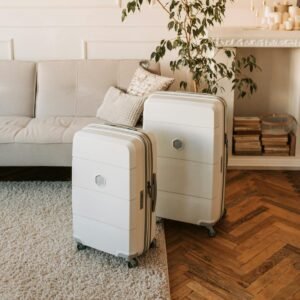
122 126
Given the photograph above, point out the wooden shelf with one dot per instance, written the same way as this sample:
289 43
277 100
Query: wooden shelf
267 162
263 162
278 54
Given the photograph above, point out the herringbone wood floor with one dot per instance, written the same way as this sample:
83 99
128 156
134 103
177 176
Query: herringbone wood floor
256 254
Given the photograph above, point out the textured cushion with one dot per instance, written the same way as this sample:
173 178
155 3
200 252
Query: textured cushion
10 127
77 88
144 83
121 108
17 88
53 130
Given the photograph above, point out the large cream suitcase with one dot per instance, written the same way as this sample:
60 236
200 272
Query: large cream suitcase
114 190
190 130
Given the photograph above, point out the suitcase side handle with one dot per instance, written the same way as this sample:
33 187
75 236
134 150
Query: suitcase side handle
154 192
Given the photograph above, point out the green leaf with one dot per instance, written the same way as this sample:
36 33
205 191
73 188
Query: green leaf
169 45
183 85
171 25
228 53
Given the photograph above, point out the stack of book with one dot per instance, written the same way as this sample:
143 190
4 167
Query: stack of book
276 142
246 138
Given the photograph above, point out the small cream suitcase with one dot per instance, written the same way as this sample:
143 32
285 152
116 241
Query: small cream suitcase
114 190
190 130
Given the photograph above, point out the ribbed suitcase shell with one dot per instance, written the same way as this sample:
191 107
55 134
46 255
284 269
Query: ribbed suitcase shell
191 146
112 210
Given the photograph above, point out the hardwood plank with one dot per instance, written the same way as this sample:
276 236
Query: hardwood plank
289 289
200 291
257 260
271 282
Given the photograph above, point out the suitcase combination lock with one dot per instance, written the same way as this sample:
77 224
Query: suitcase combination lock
177 144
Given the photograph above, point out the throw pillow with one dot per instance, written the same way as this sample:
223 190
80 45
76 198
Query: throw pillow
121 108
144 83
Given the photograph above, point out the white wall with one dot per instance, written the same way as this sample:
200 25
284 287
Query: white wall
60 29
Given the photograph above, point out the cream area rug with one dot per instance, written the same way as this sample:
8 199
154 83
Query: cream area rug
39 260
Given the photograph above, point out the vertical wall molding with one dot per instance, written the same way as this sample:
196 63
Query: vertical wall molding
12 49
84 49
7 49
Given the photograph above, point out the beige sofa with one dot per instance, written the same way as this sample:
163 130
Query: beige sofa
43 104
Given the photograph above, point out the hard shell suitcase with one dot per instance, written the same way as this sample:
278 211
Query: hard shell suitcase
114 190
190 130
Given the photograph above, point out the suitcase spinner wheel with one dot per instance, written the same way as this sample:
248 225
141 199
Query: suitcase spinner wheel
132 263
210 228
153 244
81 247
211 231
159 220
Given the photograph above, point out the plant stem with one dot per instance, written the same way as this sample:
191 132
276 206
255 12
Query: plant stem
195 86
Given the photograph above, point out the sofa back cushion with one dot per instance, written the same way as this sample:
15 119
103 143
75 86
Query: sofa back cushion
17 88
77 88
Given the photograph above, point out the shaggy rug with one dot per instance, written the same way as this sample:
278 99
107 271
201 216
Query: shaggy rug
39 260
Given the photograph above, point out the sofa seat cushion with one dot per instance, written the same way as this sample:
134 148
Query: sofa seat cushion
10 126
53 130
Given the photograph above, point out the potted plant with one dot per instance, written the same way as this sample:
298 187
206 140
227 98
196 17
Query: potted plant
190 21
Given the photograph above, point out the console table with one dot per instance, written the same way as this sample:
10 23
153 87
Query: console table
278 53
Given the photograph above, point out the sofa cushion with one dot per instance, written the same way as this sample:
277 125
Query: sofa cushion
10 127
53 130
121 108
144 83
17 88
77 88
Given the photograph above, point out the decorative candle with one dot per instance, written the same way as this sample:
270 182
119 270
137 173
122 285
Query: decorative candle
292 21
252 5
288 25
276 16
268 10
